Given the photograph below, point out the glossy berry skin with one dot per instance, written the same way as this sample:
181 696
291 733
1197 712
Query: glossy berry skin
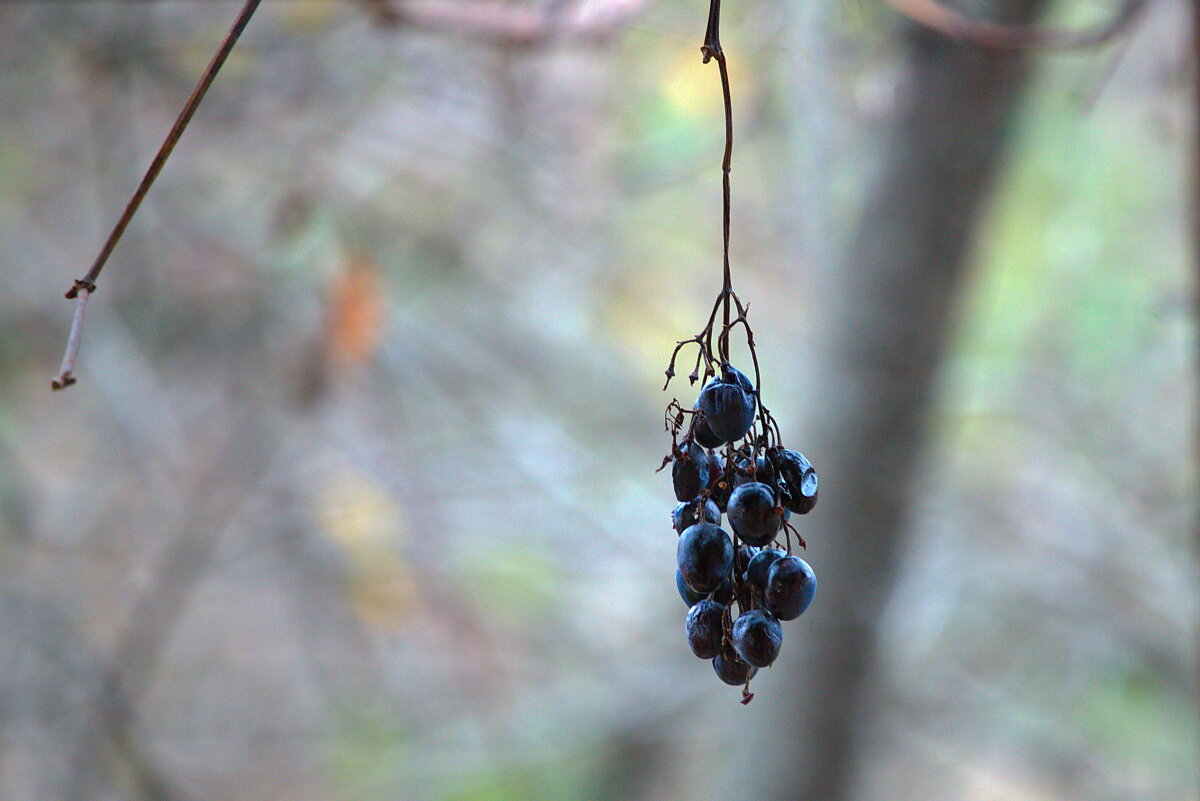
685 514
702 433
728 404
797 479
705 557
689 473
757 637
731 669
752 513
704 630
756 572
723 595
791 585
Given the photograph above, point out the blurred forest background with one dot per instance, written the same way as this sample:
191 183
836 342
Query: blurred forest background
355 498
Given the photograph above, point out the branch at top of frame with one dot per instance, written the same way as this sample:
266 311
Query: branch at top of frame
504 22
996 36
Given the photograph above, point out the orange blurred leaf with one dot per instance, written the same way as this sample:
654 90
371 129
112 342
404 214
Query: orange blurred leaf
356 315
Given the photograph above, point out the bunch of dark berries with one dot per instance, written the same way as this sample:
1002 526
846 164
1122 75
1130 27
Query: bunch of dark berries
726 460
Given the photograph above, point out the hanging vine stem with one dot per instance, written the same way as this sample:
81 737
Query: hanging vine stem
711 49
727 300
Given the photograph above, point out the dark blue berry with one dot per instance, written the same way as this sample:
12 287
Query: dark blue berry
703 434
791 585
716 469
757 637
727 403
759 470
689 473
685 514
705 557
798 480
723 594
704 628
730 668
752 513
690 597
756 572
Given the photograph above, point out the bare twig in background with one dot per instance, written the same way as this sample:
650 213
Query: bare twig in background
996 36
86 285
509 23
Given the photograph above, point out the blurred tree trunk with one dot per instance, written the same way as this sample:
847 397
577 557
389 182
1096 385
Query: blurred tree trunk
887 313
1195 240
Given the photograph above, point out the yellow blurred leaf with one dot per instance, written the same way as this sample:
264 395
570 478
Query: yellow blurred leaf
355 512
306 17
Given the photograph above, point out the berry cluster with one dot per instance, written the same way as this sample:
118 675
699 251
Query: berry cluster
758 484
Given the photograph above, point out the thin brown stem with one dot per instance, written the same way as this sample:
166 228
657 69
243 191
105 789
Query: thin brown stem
711 49
87 284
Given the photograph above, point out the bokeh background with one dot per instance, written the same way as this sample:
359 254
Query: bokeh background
355 498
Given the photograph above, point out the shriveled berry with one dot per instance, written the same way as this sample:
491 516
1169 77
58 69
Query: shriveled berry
757 637
730 668
756 572
705 556
791 585
728 404
752 513
686 514
704 629
797 479
689 473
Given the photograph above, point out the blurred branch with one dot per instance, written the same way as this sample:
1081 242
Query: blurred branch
232 472
508 23
86 285
996 36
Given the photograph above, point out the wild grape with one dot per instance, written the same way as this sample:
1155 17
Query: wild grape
704 628
704 556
